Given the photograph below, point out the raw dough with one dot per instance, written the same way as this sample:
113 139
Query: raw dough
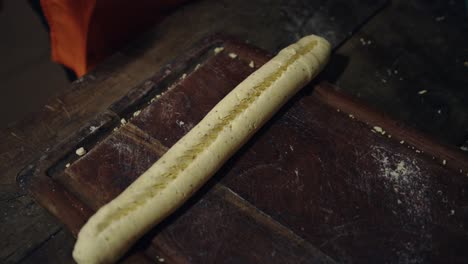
185 167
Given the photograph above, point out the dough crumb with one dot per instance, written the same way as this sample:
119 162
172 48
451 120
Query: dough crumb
183 76
363 41
463 148
422 92
378 129
67 165
252 64
232 55
136 113
444 162
218 50
418 151
180 123
80 152
198 66
92 129
351 116
123 121
402 142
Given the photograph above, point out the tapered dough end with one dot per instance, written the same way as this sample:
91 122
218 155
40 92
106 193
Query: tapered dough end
322 48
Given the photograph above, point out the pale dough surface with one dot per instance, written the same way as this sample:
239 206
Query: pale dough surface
185 167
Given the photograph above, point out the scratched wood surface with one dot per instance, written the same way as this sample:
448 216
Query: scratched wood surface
324 173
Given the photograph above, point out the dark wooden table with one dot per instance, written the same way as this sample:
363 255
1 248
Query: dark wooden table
401 49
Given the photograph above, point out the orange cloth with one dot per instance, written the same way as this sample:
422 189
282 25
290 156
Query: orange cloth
83 32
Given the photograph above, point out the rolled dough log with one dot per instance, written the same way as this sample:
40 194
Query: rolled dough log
185 167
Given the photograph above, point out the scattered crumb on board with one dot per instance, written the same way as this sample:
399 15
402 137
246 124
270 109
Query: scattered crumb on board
136 113
232 55
180 123
252 64
80 151
422 92
365 42
218 50
379 130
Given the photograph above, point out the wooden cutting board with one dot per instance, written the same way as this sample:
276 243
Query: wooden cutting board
327 179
